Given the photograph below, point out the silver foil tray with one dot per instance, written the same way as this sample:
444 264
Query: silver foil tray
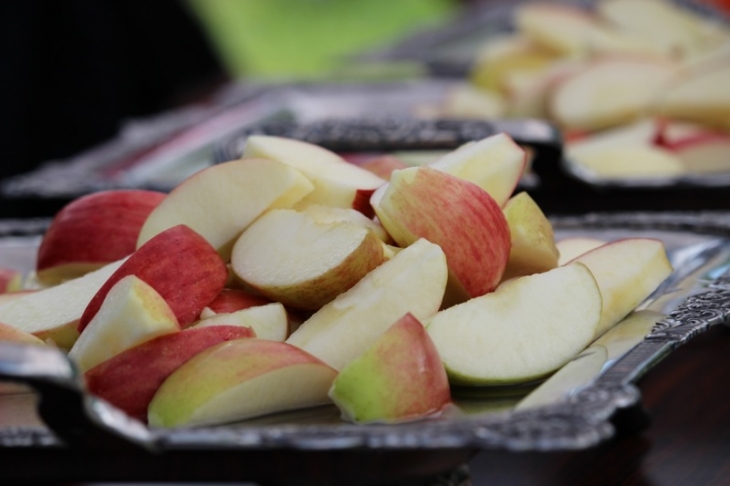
694 298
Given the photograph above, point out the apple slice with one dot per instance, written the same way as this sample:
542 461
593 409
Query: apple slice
609 92
268 321
533 241
11 334
180 265
238 380
400 377
571 248
562 29
54 313
232 300
221 201
130 379
92 231
703 97
627 272
526 329
328 214
383 166
494 163
473 233
289 257
11 280
704 153
412 281
132 312
465 101
336 182
630 163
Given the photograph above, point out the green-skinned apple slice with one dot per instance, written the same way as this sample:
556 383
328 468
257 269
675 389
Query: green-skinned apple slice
524 330
238 380
400 377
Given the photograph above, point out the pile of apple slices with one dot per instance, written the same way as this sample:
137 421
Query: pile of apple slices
264 284
598 70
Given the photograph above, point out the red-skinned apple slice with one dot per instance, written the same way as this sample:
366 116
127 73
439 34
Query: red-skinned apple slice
290 257
412 281
269 321
399 378
232 300
473 232
336 182
11 280
92 231
627 272
221 201
240 379
132 312
180 265
130 379
526 329
54 313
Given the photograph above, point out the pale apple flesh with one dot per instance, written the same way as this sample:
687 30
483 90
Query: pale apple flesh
269 321
290 257
329 214
130 379
573 247
180 265
221 201
455 214
238 380
132 312
399 378
383 166
92 231
414 281
627 272
521 332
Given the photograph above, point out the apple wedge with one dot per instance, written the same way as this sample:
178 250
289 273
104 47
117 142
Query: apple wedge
494 163
466 101
573 247
524 330
10 280
11 334
130 379
473 232
704 153
232 300
399 378
702 97
268 321
180 265
54 313
289 257
533 241
412 281
238 380
328 214
383 166
336 182
639 162
627 272
562 29
609 92
132 312
221 201
92 231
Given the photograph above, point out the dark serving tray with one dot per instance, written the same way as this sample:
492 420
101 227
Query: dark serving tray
76 436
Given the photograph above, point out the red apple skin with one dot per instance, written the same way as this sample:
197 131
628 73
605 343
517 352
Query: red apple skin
463 219
98 228
232 300
130 379
180 265
362 202
9 280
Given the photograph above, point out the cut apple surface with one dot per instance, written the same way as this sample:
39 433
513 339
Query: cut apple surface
533 241
609 92
336 182
130 379
329 214
524 330
289 257
238 380
494 163
54 313
627 272
268 321
631 163
132 312
703 98
180 265
412 281
473 232
570 248
400 377
467 102
232 300
221 201
562 29
92 231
